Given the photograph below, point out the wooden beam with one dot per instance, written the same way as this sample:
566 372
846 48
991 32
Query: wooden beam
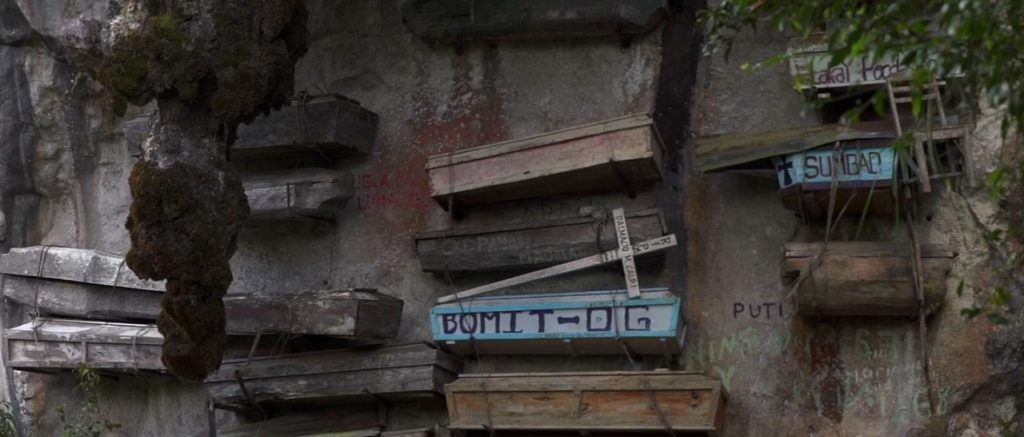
610 256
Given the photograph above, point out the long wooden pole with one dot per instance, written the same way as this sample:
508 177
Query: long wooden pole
610 256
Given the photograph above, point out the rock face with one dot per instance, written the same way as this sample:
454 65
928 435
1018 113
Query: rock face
209 67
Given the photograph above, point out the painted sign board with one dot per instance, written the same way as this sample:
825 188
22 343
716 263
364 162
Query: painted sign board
809 62
813 169
585 323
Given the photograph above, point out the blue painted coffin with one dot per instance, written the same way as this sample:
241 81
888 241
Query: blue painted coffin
573 323
857 167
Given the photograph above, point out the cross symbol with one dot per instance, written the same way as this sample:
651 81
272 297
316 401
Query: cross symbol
785 167
627 253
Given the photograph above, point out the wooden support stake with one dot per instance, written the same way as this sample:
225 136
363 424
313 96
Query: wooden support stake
626 249
922 312
610 256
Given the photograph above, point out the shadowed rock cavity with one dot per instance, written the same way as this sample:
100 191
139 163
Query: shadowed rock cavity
210 65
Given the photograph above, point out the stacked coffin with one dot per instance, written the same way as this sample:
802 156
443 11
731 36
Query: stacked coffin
96 292
319 130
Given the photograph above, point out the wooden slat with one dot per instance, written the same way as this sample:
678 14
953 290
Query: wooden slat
528 244
76 299
580 264
865 249
644 401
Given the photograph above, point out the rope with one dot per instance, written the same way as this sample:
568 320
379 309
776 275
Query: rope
657 408
489 426
921 311
255 343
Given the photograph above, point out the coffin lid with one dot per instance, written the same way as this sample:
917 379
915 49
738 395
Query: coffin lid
543 139
656 380
722 151
479 230
66 330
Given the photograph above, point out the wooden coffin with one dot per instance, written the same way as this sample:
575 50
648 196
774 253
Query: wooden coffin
135 132
298 193
529 245
82 300
359 314
402 372
623 152
445 21
54 344
330 127
864 178
72 264
624 402
364 422
866 278
575 323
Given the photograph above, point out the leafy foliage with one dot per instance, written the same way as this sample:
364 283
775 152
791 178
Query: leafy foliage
90 423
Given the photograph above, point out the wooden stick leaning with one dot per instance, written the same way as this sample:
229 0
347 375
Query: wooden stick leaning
610 256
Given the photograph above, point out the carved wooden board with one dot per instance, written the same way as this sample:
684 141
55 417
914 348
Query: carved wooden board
298 193
325 127
624 152
584 323
866 278
810 64
857 167
53 344
588 401
391 372
530 244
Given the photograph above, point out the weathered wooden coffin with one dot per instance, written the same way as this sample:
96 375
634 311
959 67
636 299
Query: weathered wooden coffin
325 127
576 323
135 132
298 193
623 152
391 372
360 313
530 244
72 264
624 402
437 21
866 278
350 424
54 344
82 300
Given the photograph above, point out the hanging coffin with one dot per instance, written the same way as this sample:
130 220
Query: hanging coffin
80 283
55 344
622 402
529 245
624 152
413 371
437 21
866 278
331 127
299 193
577 323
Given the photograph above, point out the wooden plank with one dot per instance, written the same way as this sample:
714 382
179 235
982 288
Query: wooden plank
796 249
332 126
626 249
363 314
54 344
72 264
636 402
528 244
575 323
590 157
560 269
867 280
390 372
297 425
722 151
298 193
440 21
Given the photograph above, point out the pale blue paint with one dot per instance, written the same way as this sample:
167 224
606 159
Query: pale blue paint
813 167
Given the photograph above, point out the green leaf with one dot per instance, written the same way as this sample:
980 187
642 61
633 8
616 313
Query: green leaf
971 312
960 288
